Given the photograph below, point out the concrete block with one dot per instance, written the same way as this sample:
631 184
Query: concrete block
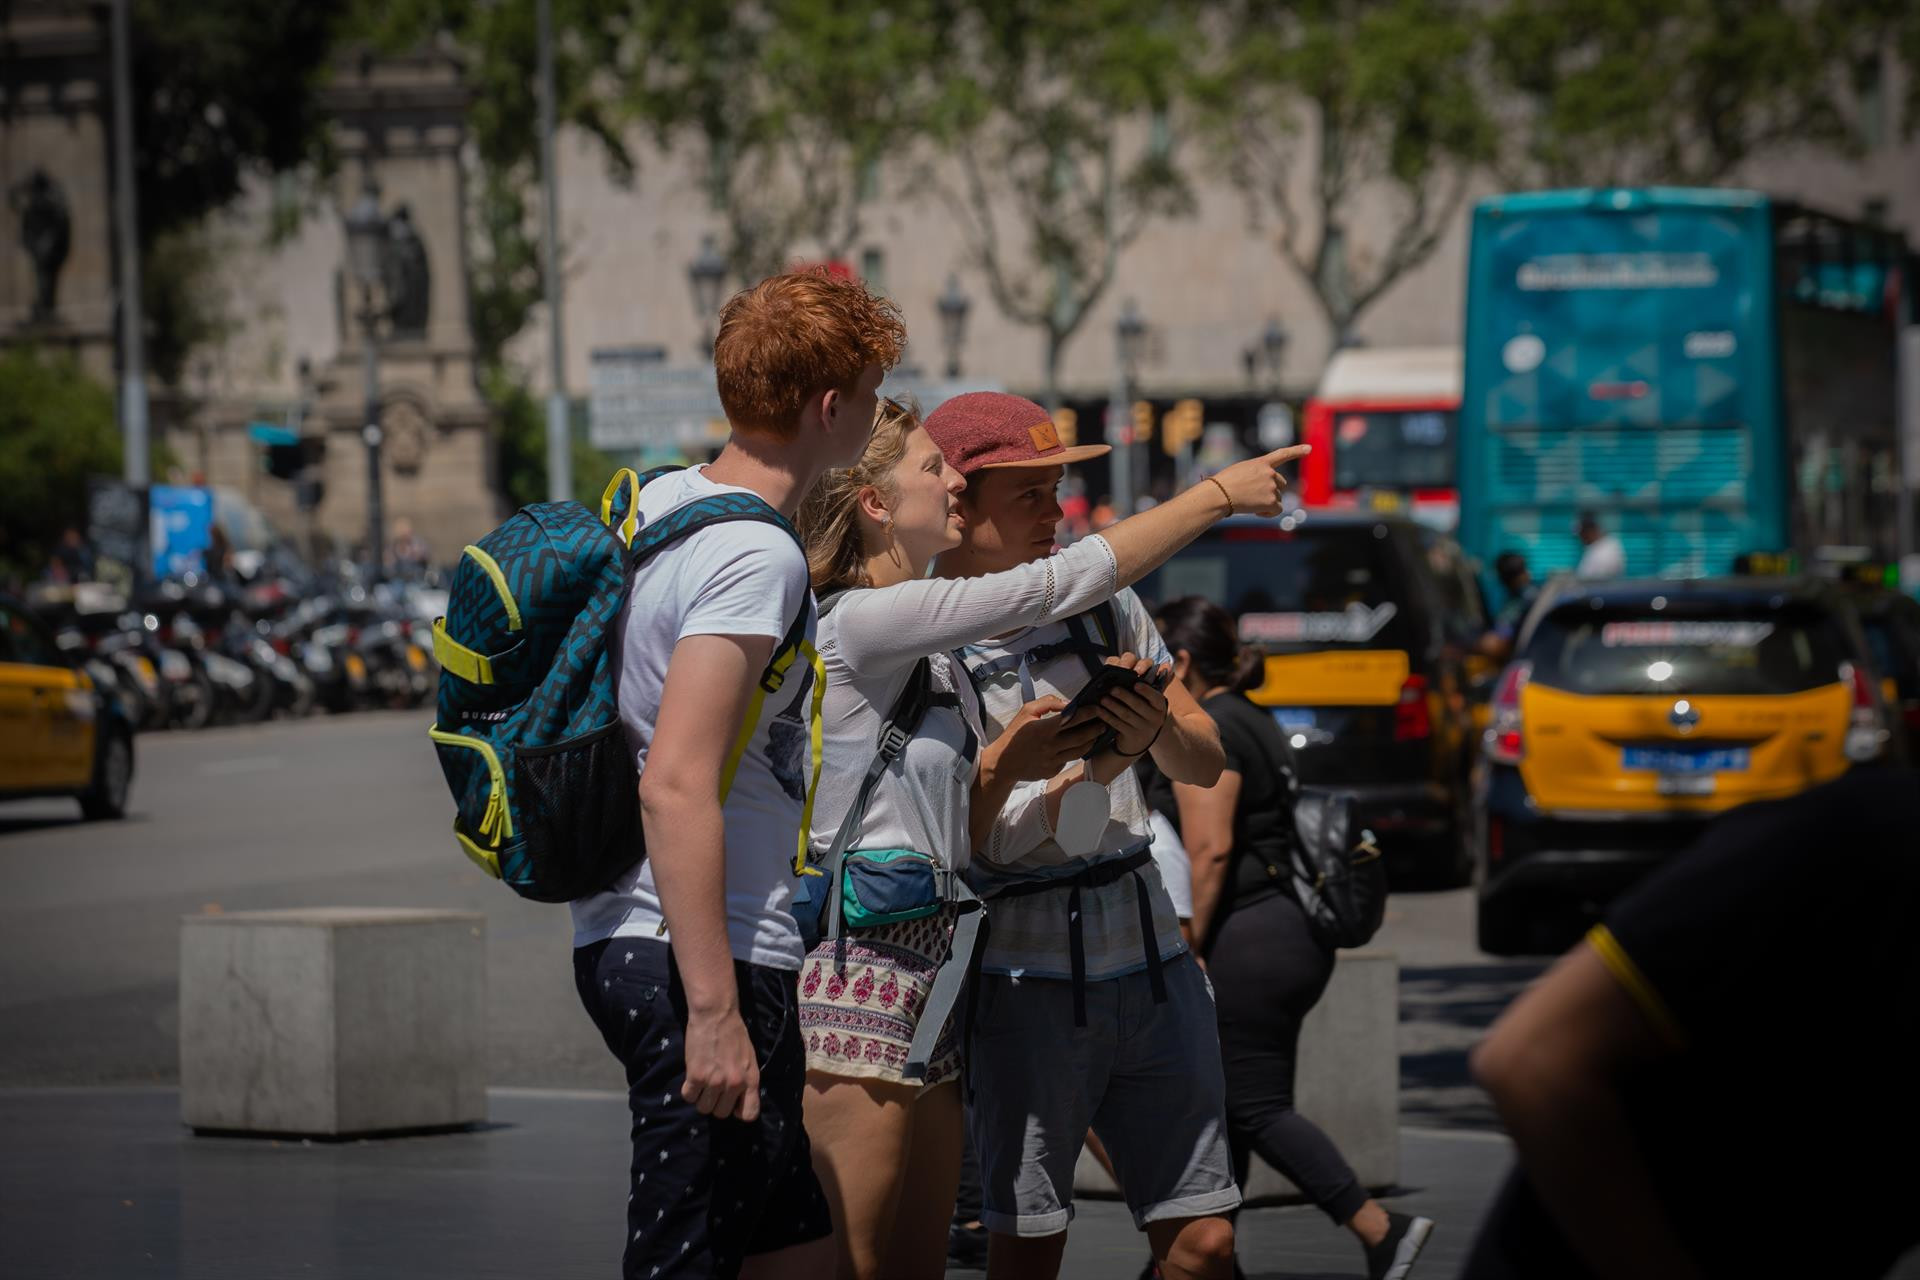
1348 1080
333 1021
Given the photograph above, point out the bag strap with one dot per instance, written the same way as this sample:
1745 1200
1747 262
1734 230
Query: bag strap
951 978
1095 653
895 732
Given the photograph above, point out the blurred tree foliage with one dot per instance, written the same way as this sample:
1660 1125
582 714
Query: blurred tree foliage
795 104
1685 91
1058 122
523 444
59 428
226 90
1314 106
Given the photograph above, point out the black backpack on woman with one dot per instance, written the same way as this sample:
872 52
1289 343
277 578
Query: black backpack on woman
1336 870
1338 876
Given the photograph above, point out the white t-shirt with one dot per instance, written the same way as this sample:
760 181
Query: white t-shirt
1029 935
1604 557
743 578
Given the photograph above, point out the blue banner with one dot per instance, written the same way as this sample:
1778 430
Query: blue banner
182 529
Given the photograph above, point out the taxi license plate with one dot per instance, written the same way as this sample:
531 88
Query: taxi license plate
356 666
1681 763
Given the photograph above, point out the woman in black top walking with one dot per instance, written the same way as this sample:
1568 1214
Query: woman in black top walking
1266 968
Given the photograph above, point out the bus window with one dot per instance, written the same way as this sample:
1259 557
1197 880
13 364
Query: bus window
1408 449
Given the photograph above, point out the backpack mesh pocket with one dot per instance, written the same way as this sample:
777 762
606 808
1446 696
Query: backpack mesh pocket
580 816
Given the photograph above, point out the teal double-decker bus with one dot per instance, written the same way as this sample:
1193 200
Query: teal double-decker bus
1709 372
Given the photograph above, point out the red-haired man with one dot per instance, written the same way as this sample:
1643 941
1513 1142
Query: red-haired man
688 962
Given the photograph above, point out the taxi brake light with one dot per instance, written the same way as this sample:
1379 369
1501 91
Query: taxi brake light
1866 735
1505 742
1412 719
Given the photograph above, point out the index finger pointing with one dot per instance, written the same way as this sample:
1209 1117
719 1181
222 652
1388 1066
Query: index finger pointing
1287 454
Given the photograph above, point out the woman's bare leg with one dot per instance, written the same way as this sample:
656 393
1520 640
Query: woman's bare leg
917 1249
861 1131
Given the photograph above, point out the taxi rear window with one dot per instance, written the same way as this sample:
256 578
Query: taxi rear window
1675 650
1296 590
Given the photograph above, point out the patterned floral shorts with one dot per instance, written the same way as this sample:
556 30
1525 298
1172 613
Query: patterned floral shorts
858 1018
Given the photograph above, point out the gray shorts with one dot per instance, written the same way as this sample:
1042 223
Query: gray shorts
1146 1077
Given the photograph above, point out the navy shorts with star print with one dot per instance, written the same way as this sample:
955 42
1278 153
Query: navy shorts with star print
705 1193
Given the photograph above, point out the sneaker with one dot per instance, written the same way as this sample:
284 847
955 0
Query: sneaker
967 1247
1393 1257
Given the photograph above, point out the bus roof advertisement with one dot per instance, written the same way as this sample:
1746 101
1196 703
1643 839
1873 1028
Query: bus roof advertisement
1614 361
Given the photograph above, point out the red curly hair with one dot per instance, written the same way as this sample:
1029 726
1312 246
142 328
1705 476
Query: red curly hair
792 336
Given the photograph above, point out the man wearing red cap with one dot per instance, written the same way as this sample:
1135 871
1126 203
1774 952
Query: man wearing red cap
1090 1012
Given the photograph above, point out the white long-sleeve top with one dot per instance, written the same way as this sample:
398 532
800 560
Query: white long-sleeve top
870 641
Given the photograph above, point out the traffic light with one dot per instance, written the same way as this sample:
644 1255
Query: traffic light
1066 425
1182 426
1143 421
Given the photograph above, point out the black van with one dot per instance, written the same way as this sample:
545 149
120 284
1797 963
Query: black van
1369 625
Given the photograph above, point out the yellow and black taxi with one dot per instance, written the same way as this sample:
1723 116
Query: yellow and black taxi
59 735
1635 712
1367 624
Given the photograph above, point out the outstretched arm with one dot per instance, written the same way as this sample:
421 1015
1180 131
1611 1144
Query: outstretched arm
890 627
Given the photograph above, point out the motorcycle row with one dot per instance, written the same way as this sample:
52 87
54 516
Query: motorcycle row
184 654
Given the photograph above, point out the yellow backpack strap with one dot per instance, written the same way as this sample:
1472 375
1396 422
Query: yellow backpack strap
816 740
740 741
816 733
472 666
630 515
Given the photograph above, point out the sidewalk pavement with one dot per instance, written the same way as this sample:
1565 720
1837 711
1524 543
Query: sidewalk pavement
107 1183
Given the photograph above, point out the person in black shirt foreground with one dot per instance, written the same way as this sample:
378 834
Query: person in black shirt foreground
1267 970
1720 1080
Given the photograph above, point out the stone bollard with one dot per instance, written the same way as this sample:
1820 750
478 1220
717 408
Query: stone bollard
333 1021
1348 1081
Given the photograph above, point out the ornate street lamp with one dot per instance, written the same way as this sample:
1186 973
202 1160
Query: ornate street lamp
954 306
366 256
707 273
1274 343
1130 330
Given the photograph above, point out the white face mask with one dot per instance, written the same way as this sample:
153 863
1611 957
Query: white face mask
1083 818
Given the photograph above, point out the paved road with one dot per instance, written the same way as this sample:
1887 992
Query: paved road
105 1182
352 811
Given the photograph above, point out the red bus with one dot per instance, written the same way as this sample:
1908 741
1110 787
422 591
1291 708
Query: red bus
1382 430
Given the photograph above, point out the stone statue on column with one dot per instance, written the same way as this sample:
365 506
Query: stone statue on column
46 233
407 281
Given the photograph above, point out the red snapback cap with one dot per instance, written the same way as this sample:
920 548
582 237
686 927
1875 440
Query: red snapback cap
984 429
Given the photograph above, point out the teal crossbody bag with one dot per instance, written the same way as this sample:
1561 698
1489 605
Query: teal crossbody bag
889 886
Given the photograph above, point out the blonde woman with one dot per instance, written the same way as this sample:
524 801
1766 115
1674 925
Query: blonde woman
887 1148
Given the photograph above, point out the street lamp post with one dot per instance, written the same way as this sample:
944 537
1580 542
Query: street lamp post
366 252
706 273
1129 335
1274 343
953 306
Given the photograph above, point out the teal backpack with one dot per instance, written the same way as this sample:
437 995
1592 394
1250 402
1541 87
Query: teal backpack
528 727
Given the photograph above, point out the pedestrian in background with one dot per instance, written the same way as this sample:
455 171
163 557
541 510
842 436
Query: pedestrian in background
887 1146
1719 1081
1268 971
1604 555
689 962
